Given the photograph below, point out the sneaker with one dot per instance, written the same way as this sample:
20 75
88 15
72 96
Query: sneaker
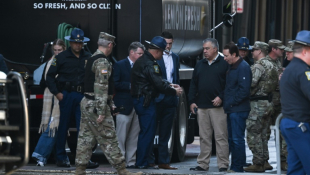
40 163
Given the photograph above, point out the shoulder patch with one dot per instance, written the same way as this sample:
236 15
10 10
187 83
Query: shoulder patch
156 68
308 75
54 62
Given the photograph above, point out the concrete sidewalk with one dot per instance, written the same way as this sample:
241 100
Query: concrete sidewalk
183 167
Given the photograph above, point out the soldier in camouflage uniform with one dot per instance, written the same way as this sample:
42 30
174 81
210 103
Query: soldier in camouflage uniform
264 81
276 49
96 119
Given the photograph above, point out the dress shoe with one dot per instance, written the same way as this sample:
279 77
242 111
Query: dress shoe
131 167
222 169
268 166
142 167
198 168
92 165
63 163
167 167
152 166
255 168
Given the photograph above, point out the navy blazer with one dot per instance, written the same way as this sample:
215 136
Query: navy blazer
176 78
122 85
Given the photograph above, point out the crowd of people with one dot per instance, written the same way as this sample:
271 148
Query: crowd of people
142 91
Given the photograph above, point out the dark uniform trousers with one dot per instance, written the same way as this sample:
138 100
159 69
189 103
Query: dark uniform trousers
69 106
147 121
299 152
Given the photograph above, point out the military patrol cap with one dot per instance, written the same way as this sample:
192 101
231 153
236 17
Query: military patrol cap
276 43
261 45
243 44
158 42
77 35
106 36
303 37
289 47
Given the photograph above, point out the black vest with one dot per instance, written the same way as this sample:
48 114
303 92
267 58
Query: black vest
89 78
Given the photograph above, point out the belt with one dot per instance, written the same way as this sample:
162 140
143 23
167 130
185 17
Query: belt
89 97
253 98
74 89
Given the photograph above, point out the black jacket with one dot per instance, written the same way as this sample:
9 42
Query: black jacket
208 82
146 78
69 69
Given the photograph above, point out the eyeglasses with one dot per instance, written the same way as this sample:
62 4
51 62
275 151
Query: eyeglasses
254 50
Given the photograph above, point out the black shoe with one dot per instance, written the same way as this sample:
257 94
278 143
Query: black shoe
131 167
142 167
247 164
197 168
222 169
92 165
63 163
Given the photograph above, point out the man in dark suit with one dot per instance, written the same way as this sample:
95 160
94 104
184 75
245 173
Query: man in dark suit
127 123
166 104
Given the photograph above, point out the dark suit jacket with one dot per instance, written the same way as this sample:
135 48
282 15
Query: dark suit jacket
121 77
176 79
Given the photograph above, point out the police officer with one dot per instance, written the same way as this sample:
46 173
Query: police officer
68 88
295 100
146 84
244 48
264 82
96 120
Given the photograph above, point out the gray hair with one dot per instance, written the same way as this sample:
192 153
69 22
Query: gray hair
135 45
103 42
213 42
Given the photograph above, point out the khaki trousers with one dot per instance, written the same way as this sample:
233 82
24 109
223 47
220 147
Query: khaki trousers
127 131
209 120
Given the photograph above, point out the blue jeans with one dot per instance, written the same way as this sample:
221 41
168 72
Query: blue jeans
147 121
69 106
298 146
45 146
236 129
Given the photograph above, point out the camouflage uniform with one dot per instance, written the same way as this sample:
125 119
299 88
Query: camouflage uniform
264 81
103 132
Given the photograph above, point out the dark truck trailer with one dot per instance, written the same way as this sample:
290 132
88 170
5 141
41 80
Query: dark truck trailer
26 25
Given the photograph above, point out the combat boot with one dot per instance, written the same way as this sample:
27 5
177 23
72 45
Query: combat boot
268 166
80 170
284 166
255 168
126 172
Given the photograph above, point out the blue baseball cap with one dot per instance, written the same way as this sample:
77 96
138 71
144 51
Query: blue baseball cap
158 42
77 35
303 37
243 44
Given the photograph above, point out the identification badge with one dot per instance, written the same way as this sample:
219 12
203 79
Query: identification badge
156 68
103 71
308 75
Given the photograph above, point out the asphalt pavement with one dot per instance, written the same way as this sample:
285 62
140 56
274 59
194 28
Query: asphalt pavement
192 152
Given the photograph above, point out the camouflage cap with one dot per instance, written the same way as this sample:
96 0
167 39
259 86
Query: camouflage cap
106 36
289 47
261 45
276 43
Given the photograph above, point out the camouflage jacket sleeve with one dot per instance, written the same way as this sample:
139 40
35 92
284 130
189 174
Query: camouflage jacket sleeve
102 69
257 72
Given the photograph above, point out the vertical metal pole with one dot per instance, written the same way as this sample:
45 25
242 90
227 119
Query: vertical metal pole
214 18
277 129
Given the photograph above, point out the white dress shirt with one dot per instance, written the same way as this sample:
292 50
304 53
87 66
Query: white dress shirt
169 65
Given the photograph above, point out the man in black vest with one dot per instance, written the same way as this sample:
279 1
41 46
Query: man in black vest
96 119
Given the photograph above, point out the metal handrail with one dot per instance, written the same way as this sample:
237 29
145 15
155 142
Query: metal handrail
278 149
15 75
